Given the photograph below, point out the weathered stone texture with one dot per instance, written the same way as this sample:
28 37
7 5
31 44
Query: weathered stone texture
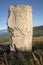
20 27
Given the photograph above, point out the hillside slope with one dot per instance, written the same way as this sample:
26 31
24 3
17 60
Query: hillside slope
38 29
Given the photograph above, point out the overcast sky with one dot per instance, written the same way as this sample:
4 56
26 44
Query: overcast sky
37 11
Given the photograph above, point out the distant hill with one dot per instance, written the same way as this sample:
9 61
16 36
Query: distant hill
38 31
4 34
4 31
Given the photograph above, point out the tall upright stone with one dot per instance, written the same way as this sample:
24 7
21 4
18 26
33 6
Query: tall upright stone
20 27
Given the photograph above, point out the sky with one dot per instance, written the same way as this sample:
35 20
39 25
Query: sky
37 11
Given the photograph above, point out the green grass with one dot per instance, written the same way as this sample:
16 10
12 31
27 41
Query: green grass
4 40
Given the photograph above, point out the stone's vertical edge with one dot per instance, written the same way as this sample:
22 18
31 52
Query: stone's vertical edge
20 24
31 25
10 24
31 28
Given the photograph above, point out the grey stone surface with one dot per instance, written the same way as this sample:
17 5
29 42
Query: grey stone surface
20 27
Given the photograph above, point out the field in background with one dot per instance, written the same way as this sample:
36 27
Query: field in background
4 41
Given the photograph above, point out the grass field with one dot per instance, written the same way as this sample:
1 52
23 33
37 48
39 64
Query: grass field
33 58
4 40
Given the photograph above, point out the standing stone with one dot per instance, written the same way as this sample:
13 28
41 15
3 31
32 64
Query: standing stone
20 27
